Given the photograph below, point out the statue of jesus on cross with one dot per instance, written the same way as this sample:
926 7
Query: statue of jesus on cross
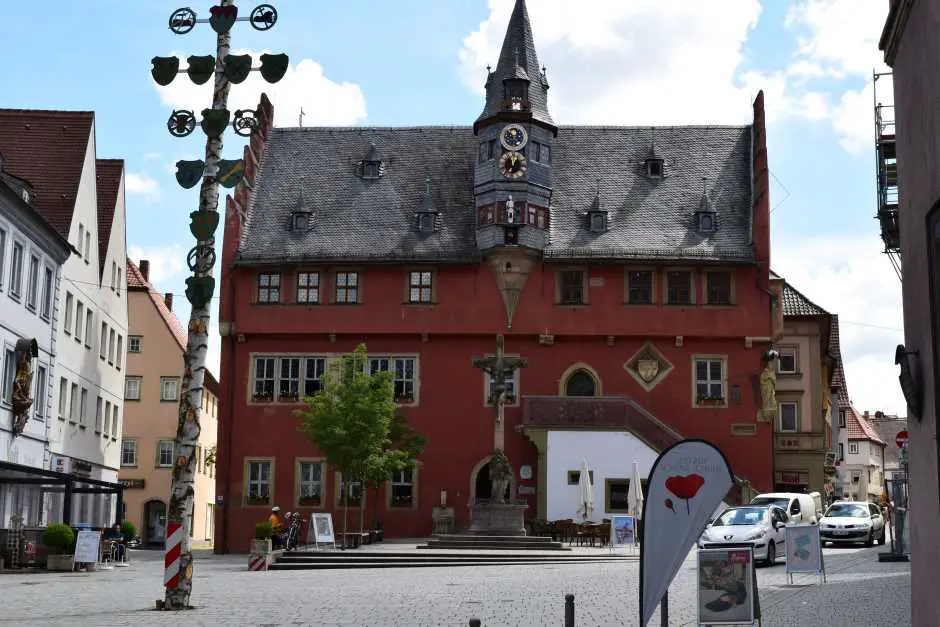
499 368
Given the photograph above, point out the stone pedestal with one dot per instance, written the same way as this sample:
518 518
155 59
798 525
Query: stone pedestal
497 519
444 520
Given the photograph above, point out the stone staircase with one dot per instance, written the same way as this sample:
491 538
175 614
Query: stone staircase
493 543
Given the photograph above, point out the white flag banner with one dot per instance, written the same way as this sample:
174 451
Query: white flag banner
685 486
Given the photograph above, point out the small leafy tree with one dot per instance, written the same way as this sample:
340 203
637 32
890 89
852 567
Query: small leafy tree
399 452
349 419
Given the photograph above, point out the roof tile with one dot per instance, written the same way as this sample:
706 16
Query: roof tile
47 149
859 427
109 173
795 304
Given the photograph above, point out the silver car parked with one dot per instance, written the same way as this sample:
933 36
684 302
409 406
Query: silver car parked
762 526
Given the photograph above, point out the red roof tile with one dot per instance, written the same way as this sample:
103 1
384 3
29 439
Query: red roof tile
47 149
136 281
859 427
109 173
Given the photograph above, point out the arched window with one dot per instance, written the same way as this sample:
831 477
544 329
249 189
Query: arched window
580 383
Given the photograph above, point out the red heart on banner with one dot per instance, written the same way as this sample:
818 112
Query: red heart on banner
685 486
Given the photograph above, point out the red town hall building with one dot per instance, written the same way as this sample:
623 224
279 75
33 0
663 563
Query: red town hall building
628 265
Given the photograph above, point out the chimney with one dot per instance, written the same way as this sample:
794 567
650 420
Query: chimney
168 300
145 269
866 414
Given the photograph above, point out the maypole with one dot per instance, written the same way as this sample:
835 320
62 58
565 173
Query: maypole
226 69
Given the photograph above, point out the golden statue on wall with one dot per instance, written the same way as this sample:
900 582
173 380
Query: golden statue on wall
768 388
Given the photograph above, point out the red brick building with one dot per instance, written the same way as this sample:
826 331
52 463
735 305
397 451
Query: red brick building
628 265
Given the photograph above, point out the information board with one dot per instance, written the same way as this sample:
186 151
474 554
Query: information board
88 547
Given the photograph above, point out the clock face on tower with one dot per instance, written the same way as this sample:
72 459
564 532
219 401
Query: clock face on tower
513 137
512 165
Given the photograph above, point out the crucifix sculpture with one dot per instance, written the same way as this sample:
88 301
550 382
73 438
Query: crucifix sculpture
499 367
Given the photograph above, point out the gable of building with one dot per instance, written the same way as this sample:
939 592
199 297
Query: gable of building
109 173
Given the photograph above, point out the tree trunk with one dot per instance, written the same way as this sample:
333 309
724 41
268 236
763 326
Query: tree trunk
194 361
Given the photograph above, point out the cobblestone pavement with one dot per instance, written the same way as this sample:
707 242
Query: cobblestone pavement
860 591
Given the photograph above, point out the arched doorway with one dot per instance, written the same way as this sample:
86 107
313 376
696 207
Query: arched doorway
155 522
580 383
481 487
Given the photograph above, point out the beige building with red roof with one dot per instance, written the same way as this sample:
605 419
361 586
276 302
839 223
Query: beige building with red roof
52 154
155 348
863 465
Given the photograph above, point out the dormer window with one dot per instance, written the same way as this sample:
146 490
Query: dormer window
370 169
372 166
425 216
706 222
655 168
300 221
597 221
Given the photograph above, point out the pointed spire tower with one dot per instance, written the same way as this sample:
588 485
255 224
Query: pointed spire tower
513 173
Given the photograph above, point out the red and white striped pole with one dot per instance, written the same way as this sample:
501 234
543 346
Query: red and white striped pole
171 554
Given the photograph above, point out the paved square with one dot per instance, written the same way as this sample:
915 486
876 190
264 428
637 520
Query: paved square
860 591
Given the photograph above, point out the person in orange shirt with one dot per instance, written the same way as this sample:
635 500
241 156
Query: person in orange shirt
277 525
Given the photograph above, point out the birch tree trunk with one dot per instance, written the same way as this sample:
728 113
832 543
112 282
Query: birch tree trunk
194 361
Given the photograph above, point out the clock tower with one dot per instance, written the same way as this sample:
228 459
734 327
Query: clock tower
513 175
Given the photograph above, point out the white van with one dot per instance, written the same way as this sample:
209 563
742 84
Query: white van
802 508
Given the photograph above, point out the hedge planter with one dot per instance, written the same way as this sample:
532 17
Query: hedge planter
261 547
60 562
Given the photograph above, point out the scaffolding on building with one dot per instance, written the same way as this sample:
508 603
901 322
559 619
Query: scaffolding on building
886 157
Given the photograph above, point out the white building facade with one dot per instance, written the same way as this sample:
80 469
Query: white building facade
31 258
862 464
86 389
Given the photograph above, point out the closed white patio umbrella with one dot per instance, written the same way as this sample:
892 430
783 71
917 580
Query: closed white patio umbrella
635 497
585 492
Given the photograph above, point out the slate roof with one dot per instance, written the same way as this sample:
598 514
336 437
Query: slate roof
47 149
518 59
835 351
137 283
373 220
109 173
859 427
795 304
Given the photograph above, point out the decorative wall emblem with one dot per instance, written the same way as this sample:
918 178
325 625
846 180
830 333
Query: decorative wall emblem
648 366
26 351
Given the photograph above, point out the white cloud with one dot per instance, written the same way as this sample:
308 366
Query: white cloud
142 185
150 156
324 101
166 262
851 276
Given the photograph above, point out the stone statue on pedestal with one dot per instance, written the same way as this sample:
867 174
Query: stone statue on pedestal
500 475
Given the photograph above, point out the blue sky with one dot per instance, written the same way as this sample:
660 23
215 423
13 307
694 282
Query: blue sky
413 62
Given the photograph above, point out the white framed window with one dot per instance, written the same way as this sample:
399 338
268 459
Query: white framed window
47 275
83 407
63 397
114 421
165 453
79 321
81 237
32 283
107 419
103 348
788 417
99 414
9 372
841 452
403 375
119 356
67 322
134 343
853 448
258 488
118 286
111 339
42 397
842 418
308 287
169 388
310 483
128 452
787 360
87 246
314 369
113 275
402 488
73 407
89 324
16 271
132 388
288 389
347 287
264 378
420 286
709 380
269 287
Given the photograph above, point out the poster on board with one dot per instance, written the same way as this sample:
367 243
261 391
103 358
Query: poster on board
804 550
686 484
726 591
87 547
622 531
322 528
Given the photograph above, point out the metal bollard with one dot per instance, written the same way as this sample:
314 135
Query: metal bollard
474 622
569 610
